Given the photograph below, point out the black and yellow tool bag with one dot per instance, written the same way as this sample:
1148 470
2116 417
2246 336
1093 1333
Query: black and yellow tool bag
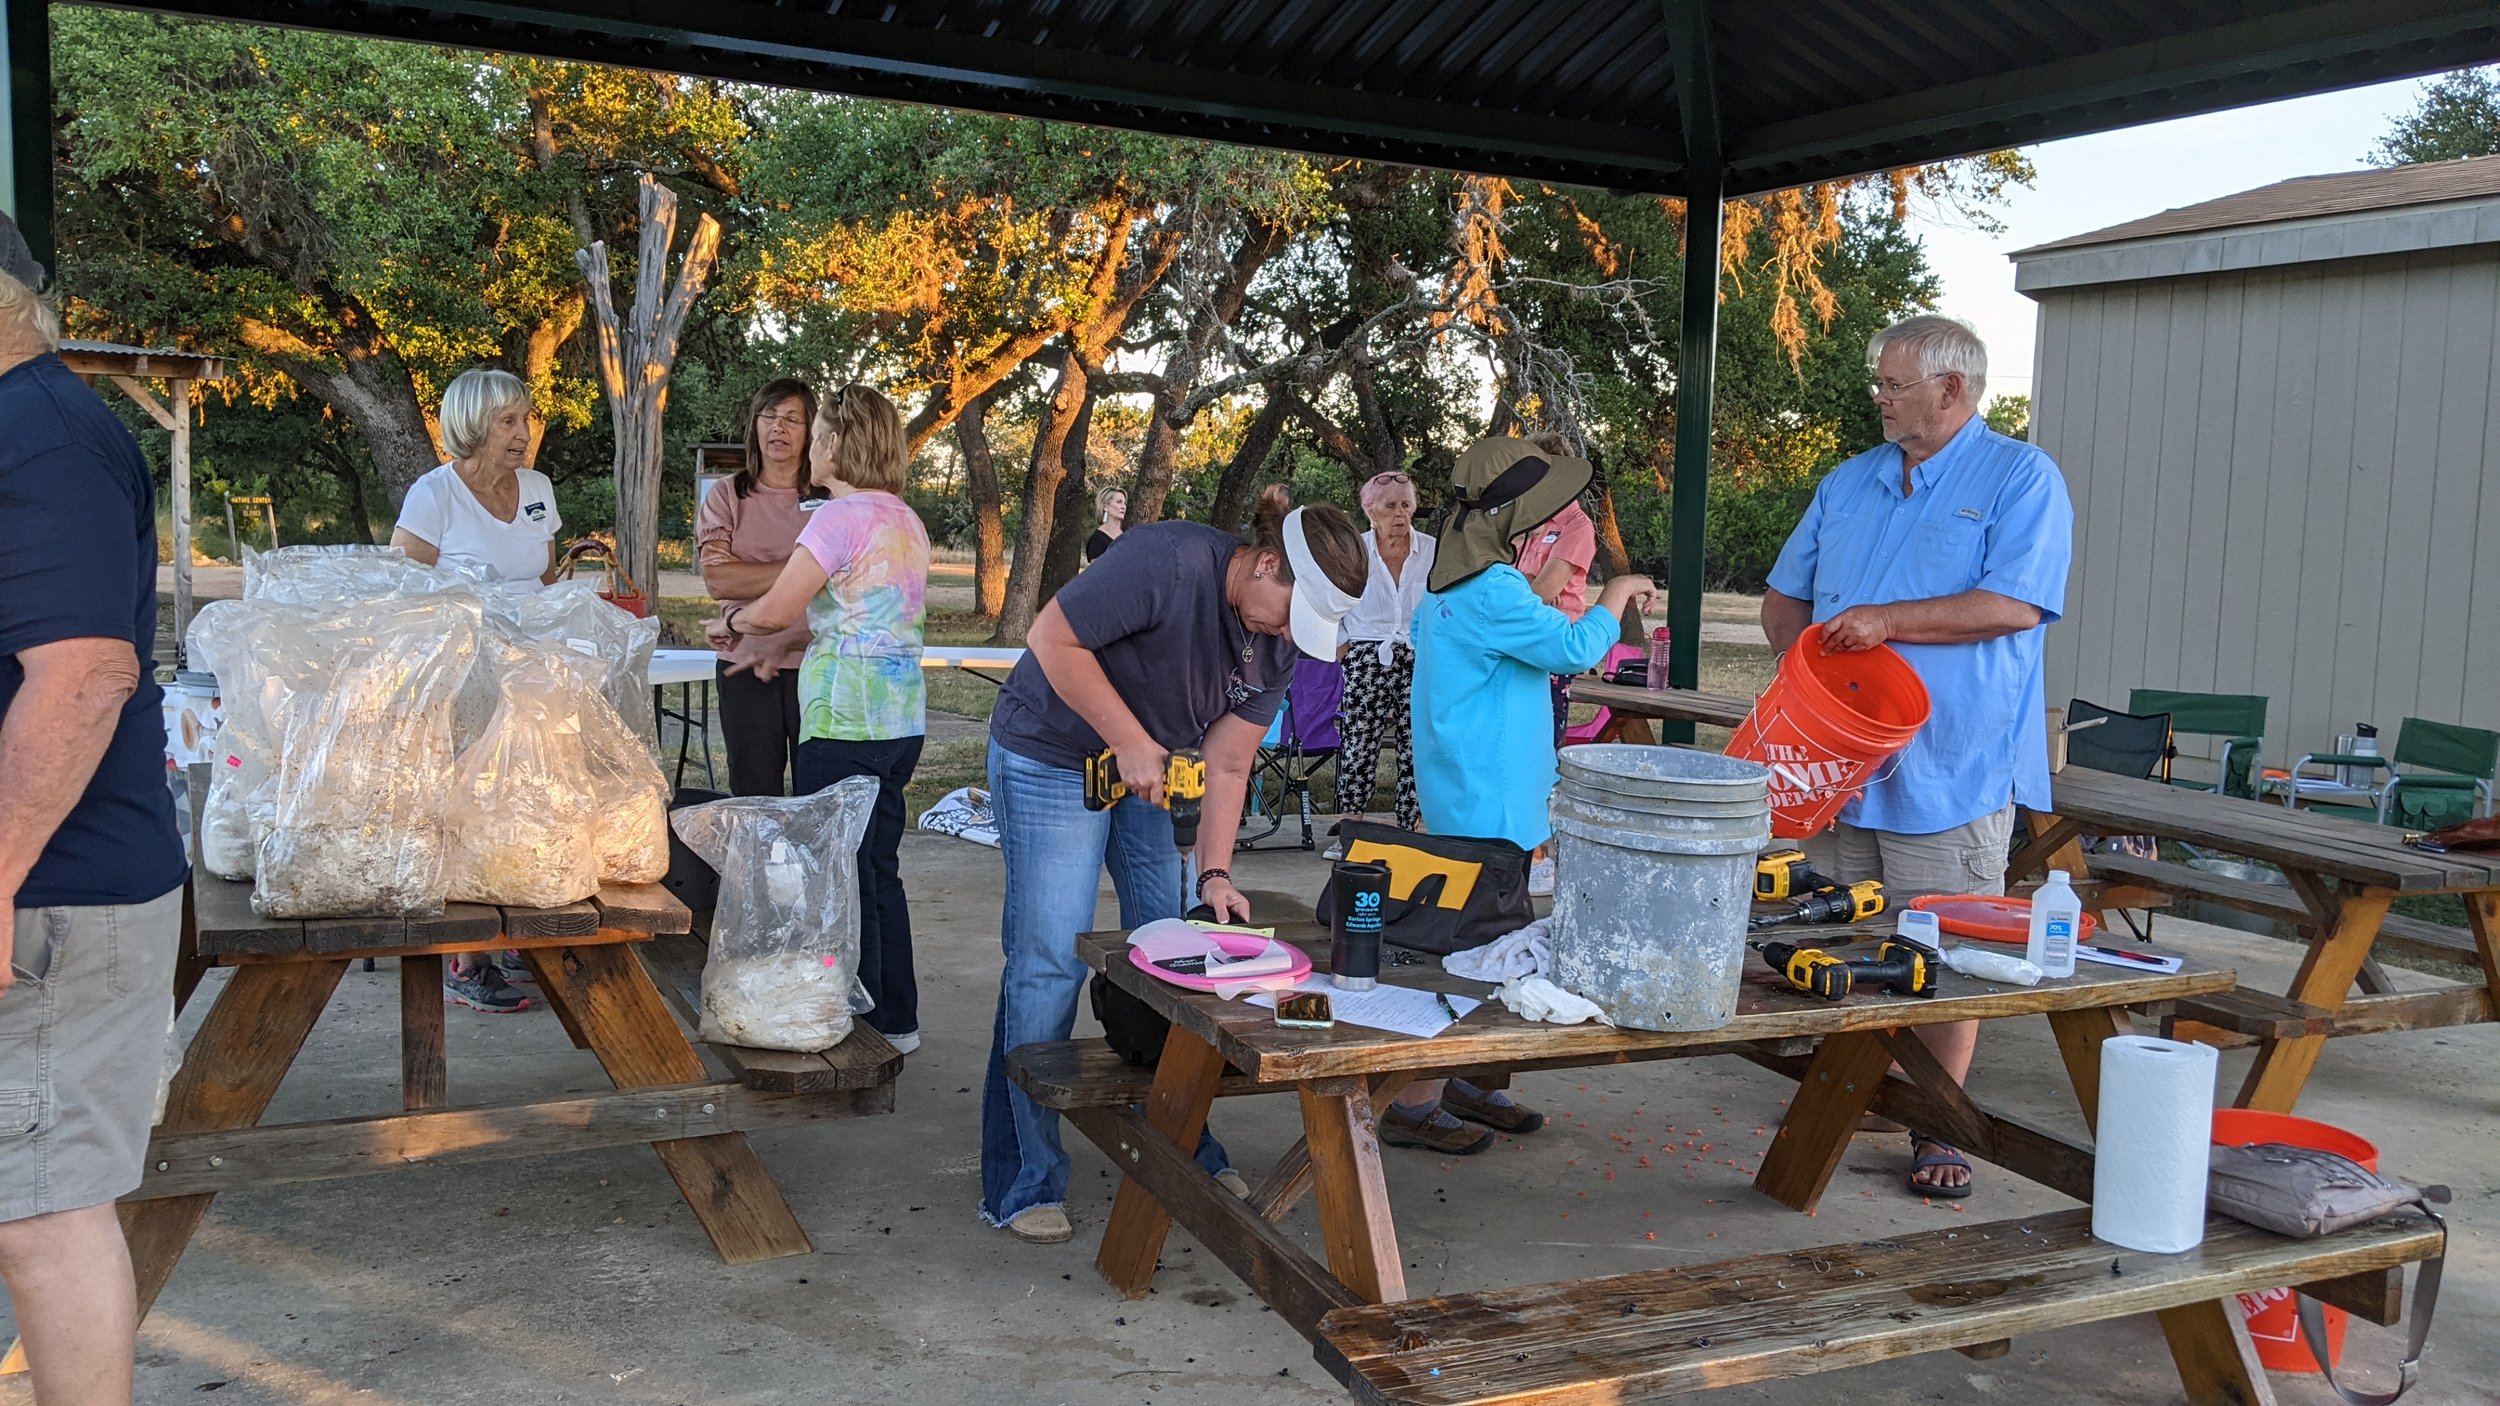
1447 893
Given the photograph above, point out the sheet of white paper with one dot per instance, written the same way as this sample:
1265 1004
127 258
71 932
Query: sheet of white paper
2161 962
1400 1010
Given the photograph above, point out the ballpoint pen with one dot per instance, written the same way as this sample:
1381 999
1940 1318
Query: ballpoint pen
2117 956
1450 1009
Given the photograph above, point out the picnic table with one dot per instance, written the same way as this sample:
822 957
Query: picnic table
1838 1052
584 956
2343 876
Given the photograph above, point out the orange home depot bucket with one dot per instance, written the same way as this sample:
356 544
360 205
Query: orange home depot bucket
1824 727
2273 1314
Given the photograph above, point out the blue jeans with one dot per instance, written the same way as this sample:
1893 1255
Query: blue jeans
1056 850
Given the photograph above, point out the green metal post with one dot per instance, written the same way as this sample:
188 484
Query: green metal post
1705 185
26 122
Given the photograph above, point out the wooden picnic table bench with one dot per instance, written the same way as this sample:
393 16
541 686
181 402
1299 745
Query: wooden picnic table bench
2343 875
1839 1053
284 972
1664 1332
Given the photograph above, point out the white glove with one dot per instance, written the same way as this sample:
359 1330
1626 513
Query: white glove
1523 953
1535 998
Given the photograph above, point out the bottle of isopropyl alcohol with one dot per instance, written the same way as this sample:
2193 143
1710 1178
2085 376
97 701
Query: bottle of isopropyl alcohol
2055 914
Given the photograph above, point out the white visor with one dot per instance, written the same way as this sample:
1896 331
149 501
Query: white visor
1318 603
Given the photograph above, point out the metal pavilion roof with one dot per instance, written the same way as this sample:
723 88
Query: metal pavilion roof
1609 93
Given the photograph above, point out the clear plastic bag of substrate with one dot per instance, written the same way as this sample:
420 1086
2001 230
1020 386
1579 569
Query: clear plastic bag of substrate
222 641
630 825
364 757
783 973
519 827
337 575
569 614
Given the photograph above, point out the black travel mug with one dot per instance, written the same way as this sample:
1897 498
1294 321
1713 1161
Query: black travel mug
1354 947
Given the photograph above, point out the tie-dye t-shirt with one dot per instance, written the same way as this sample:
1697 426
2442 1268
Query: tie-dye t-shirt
861 679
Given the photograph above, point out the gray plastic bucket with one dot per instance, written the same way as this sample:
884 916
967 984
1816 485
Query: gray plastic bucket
1654 866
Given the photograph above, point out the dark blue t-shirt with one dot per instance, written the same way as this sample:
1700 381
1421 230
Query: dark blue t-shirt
1155 615
78 561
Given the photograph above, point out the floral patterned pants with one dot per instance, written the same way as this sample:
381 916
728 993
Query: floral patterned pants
1375 715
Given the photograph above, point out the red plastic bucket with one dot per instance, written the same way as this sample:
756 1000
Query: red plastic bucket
1825 726
2273 1314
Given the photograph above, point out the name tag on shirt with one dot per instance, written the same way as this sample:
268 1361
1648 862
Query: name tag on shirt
536 512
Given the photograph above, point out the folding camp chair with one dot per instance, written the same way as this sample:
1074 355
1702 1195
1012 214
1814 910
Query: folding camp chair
2125 744
1301 741
2450 778
2239 719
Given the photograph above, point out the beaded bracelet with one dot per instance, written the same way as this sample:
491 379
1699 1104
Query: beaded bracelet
1205 874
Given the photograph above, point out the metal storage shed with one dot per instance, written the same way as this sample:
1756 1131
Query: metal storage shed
2279 414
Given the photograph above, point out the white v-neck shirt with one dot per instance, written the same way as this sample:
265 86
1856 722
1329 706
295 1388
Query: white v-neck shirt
1386 612
440 509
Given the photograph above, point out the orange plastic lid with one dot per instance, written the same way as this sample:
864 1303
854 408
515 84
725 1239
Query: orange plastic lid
1988 919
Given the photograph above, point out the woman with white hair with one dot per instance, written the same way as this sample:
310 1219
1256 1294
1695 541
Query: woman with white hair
487 507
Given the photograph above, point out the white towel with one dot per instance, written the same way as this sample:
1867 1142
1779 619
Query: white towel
1535 998
1523 953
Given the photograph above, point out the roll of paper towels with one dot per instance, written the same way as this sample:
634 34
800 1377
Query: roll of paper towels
2156 1133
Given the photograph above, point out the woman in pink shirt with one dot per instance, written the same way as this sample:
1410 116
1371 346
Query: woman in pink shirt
743 534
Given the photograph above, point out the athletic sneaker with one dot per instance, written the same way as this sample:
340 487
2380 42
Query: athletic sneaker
905 1043
1335 850
1541 879
1232 1181
482 988
515 967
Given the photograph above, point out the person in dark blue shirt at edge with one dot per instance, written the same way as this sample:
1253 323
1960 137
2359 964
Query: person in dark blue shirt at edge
1949 542
91 871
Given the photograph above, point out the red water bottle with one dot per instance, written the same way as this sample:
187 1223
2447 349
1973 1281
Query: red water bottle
1658 640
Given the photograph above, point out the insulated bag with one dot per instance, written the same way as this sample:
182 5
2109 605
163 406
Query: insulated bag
2304 1193
1447 893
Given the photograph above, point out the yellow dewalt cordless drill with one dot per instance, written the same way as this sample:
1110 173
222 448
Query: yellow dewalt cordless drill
1184 786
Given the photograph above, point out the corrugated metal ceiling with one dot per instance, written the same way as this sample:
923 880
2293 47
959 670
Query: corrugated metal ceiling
1571 91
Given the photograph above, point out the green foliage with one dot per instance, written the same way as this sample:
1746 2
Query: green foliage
355 222
2458 116
2009 415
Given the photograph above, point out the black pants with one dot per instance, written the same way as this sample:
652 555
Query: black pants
760 722
885 966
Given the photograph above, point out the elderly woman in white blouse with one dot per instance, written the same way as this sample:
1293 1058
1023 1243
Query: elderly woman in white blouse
1379 652
487 507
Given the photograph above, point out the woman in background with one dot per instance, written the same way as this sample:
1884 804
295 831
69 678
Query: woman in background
1380 654
1112 504
860 581
744 535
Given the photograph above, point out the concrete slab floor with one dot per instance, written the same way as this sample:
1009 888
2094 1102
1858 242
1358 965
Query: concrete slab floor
583 1279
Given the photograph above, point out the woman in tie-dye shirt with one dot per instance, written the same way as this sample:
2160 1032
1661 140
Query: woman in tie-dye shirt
861 579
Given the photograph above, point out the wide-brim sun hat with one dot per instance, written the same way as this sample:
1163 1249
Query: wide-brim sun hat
1319 603
1501 487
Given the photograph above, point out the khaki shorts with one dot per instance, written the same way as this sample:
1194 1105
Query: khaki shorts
83 1039
1965 859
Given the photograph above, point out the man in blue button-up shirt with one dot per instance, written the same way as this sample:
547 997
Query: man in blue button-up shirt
1950 543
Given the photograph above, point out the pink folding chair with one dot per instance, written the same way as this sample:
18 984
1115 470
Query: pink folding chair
1597 728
